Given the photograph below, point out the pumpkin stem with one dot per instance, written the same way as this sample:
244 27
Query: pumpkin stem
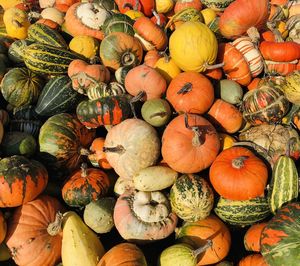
210 67
155 14
83 170
118 149
186 88
198 137
54 228
254 35
127 58
238 163
200 250
84 152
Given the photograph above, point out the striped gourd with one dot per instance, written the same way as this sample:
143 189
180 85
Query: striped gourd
251 54
57 97
41 33
47 59
284 183
103 90
242 213
16 50
217 5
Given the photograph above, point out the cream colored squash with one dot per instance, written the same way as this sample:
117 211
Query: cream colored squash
123 184
53 14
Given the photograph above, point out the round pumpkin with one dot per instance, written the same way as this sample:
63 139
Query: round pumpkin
21 180
3 227
34 232
253 260
232 173
252 237
192 136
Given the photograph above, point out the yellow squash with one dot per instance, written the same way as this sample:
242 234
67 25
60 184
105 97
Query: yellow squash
167 68
164 6
85 45
80 245
6 4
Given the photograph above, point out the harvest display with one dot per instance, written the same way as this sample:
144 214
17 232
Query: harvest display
149 132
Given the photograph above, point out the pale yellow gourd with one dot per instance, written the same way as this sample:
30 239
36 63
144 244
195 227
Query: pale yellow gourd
80 245
85 45
193 46
167 67
209 15
164 6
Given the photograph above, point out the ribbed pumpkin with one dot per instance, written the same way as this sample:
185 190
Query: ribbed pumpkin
64 139
190 92
84 186
231 172
3 227
266 104
192 136
193 46
123 254
20 86
21 180
34 232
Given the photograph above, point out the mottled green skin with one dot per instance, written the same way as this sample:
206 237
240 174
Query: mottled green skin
17 49
218 5
242 213
20 86
57 97
118 23
280 239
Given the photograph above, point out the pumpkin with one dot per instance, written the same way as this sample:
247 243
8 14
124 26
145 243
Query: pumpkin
197 233
193 136
191 92
182 4
21 180
145 81
53 14
85 19
131 146
85 45
64 139
85 76
97 156
241 15
123 254
144 6
231 172
252 237
118 22
151 57
34 232
120 49
64 5
225 116
251 260
3 227
141 216
193 46
20 86
167 68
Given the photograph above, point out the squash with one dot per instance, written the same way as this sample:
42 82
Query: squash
167 68
80 245
290 87
229 91
16 51
254 259
252 237
123 184
143 6
182 4
118 23
87 46
53 14
97 156
3 227
217 5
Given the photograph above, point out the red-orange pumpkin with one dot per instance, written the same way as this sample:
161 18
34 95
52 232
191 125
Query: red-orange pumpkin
191 92
182 4
34 232
97 157
253 260
252 237
232 175
190 143
3 227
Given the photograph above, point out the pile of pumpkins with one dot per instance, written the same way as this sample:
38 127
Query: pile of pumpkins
149 132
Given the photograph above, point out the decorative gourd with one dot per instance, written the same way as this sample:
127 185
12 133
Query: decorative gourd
191 52
229 121
280 237
151 57
48 22
266 104
65 139
122 185
241 15
141 216
167 68
231 173
118 22
17 49
145 80
252 237
85 45
226 141
242 212
98 215
21 180
85 76
217 5
191 92
80 245
291 88
34 232
121 73
84 186
20 86
193 136
182 4
229 91
164 6
97 156
131 146
251 260
3 227
120 49
144 6
123 254
191 198
199 232
85 19
64 5
52 13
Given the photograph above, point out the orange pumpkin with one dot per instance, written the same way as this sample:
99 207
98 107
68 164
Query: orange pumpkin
48 22
63 5
97 157
189 143
216 73
252 237
123 254
182 4
151 57
254 84
253 260
3 227
191 92
225 116
146 81
232 176
34 232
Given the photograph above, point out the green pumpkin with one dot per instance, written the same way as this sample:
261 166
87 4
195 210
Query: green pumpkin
20 86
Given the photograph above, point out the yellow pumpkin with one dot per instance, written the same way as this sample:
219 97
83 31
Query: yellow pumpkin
134 14
85 45
167 68
193 46
208 15
164 6
226 141
16 22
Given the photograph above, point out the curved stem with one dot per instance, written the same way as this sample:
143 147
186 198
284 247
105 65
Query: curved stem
84 170
186 88
254 35
202 249
207 66
155 14
238 162
198 134
117 149
55 227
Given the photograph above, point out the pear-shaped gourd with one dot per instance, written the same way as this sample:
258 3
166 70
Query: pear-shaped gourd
80 245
